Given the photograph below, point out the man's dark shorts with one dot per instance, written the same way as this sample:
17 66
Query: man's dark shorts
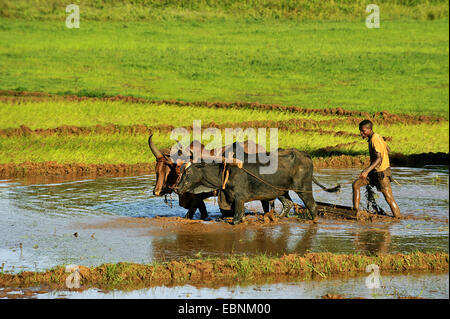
380 180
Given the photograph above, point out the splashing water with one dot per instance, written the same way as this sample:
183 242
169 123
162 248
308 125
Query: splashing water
372 203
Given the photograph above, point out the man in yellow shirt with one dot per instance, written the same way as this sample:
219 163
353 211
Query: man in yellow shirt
378 174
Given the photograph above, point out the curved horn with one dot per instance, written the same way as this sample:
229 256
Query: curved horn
153 148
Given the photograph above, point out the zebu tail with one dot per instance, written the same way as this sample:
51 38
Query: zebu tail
335 189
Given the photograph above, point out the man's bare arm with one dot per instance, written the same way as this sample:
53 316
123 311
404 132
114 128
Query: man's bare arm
372 166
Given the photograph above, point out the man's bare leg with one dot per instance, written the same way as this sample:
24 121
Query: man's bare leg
357 184
389 197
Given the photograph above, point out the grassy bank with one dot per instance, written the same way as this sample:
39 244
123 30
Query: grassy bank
53 113
198 10
401 67
130 149
231 269
94 131
116 148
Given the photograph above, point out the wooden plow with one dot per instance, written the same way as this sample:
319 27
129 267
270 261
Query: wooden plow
334 211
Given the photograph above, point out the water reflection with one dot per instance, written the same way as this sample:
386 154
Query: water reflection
373 241
406 285
269 240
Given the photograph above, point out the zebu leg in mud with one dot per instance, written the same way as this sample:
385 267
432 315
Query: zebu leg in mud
187 201
287 204
270 205
266 205
197 203
310 203
202 209
190 213
268 208
285 200
239 210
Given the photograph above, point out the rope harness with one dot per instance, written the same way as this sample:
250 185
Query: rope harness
168 202
225 177
226 174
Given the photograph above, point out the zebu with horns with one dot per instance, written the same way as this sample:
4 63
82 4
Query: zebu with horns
168 171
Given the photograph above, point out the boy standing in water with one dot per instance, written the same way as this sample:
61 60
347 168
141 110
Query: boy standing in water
378 174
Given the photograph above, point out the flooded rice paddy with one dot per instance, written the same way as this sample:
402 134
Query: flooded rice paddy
44 223
107 220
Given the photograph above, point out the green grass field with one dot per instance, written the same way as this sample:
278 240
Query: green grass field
401 67
201 10
132 148
303 53
48 114
114 148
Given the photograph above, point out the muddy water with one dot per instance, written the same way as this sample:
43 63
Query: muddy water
90 222
422 286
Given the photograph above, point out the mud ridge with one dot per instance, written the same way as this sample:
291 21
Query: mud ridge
51 168
417 160
292 126
329 150
385 116
333 157
76 170
235 268
334 160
